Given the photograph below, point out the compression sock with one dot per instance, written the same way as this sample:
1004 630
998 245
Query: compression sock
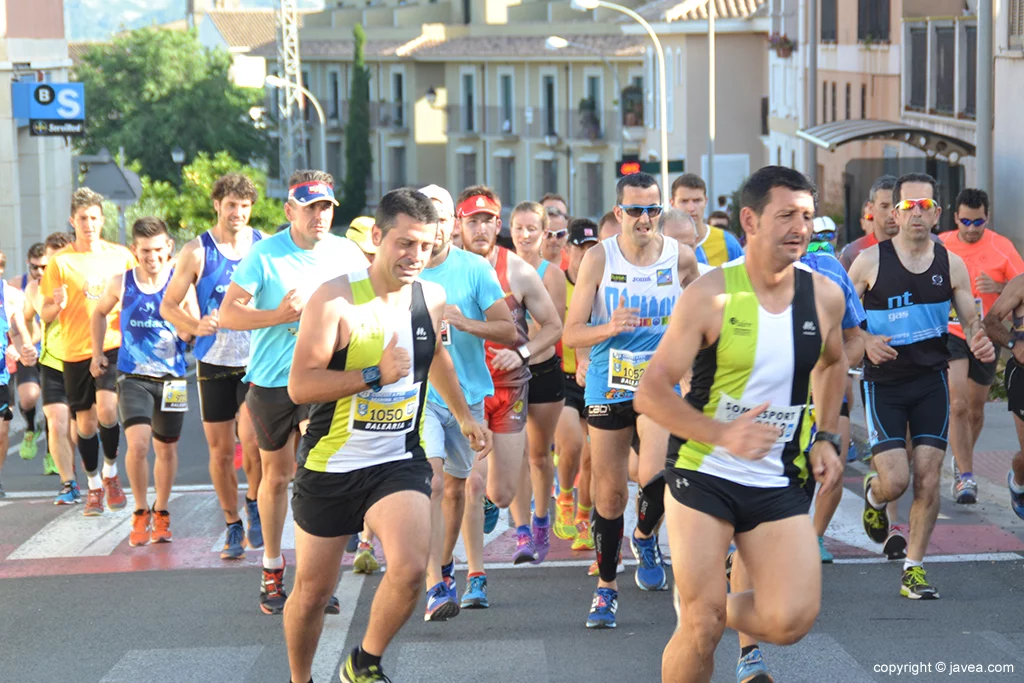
110 436
30 418
650 505
364 660
89 447
608 542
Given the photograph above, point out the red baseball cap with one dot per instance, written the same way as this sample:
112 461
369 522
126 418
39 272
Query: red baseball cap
478 204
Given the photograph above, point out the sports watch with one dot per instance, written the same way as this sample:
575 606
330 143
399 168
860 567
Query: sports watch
524 353
1010 344
371 376
834 439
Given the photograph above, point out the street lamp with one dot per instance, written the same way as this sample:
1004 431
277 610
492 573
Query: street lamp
586 5
559 43
178 157
278 82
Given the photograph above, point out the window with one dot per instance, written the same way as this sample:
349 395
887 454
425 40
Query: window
944 69
824 102
549 103
548 176
334 160
468 106
507 114
467 169
1017 23
590 121
828 21
970 61
397 168
834 100
918 68
765 109
334 96
506 185
873 21
848 98
863 101
398 98
593 197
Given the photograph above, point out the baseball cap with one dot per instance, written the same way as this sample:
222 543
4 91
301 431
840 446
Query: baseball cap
581 234
359 231
305 194
824 224
441 196
478 204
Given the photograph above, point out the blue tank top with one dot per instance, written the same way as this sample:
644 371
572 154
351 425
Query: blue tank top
5 327
149 344
228 347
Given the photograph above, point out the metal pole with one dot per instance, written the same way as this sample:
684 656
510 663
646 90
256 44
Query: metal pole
712 11
983 93
811 159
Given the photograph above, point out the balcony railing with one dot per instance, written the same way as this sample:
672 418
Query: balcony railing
536 122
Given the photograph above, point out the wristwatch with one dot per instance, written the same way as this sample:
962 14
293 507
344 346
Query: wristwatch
834 439
1011 343
371 376
524 353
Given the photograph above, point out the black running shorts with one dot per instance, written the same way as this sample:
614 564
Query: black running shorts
1013 380
613 417
978 372
546 384
81 387
274 416
139 401
921 402
574 395
221 391
27 374
52 386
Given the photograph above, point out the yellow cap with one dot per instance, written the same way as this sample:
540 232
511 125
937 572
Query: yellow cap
359 232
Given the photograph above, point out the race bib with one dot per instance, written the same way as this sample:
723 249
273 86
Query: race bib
446 335
388 411
175 396
785 418
625 368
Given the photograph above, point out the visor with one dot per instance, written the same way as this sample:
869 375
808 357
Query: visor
359 231
305 194
478 204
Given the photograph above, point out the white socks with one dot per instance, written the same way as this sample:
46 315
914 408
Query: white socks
95 482
273 562
109 469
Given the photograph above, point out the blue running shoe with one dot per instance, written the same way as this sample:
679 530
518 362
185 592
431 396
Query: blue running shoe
69 494
491 514
440 605
353 544
603 608
751 668
234 544
448 576
1016 499
475 596
525 550
826 556
650 570
541 538
255 533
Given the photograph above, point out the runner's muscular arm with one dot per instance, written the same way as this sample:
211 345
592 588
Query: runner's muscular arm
963 303
236 314
554 283
688 269
497 325
1008 301
539 304
578 330
29 312
186 274
863 274
19 335
828 382
190 306
98 323
321 333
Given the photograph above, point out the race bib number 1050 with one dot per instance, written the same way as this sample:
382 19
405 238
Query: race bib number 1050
389 411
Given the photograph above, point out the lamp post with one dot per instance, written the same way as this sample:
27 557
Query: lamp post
278 82
586 5
178 157
559 43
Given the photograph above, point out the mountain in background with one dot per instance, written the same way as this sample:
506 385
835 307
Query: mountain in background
100 19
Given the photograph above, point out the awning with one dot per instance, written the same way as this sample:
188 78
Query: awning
831 135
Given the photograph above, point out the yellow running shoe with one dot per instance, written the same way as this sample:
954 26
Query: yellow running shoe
565 512
584 540
365 562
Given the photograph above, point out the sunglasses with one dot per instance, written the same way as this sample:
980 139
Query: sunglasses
557 234
923 204
977 222
552 211
823 236
33 266
636 211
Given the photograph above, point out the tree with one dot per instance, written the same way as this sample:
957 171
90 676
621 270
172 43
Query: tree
151 90
358 154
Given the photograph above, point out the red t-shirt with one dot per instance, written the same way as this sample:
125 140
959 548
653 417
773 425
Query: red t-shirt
993 255
852 250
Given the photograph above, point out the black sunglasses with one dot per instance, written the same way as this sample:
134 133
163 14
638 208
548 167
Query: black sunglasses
635 210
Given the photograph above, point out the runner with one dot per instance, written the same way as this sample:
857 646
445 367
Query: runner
678 225
737 464
546 396
715 246
207 263
277 276
475 312
621 307
608 226
11 323
359 231
991 262
557 230
73 282
907 303
152 394
1010 304
477 210
720 220
370 340
27 376
884 223
572 517
60 429
823 237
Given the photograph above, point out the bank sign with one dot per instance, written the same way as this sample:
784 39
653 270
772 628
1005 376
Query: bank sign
50 108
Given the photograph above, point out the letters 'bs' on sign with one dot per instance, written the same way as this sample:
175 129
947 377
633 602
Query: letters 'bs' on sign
51 108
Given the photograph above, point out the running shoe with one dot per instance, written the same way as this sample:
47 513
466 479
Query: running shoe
826 556
525 550
965 491
491 514
895 547
565 512
751 668
272 593
876 522
93 503
541 539
440 605
141 523
49 466
254 535
350 674
116 499
584 539
475 596
29 448
366 561
915 585
353 544
234 543
333 606
603 608
69 494
650 570
1016 499
596 571
448 576
162 527
851 451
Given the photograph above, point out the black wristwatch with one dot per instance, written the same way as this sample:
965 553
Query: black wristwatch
371 376
834 439
1010 344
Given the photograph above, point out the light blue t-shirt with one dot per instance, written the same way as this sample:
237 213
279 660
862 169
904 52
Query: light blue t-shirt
471 284
830 267
272 268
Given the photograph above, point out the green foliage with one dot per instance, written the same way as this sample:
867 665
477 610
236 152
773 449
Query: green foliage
189 211
151 90
358 154
735 202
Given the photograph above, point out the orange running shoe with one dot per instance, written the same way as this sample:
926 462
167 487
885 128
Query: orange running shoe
93 503
115 496
594 571
141 520
564 526
162 526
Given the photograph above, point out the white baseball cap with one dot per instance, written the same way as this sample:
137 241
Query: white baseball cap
824 224
441 196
